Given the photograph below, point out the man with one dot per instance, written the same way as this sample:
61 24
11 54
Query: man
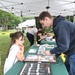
65 38
31 32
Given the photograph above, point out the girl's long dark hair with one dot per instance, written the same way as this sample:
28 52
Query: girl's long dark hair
13 37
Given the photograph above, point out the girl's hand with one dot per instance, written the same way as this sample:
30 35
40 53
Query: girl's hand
22 48
42 37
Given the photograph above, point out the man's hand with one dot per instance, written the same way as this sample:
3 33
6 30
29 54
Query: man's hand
47 52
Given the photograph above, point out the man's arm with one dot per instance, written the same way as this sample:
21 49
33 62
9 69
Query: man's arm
63 41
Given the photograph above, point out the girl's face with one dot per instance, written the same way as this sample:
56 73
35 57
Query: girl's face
20 41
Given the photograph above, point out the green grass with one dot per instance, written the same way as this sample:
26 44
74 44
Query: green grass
4 45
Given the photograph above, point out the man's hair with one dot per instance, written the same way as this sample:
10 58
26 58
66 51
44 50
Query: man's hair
44 14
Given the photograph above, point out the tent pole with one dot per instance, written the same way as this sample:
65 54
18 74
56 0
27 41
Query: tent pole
21 20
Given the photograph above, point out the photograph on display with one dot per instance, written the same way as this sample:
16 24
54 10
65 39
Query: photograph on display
41 58
36 69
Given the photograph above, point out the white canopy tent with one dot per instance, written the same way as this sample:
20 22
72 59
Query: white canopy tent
27 23
35 7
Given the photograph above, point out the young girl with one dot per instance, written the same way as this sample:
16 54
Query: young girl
39 34
15 51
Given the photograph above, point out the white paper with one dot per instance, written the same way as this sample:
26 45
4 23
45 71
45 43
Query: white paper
32 51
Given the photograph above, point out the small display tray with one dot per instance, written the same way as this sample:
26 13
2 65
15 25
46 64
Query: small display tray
41 58
36 69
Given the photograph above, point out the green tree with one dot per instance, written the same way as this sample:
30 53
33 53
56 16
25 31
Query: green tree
8 20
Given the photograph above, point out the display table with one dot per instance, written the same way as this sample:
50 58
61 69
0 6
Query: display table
56 68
